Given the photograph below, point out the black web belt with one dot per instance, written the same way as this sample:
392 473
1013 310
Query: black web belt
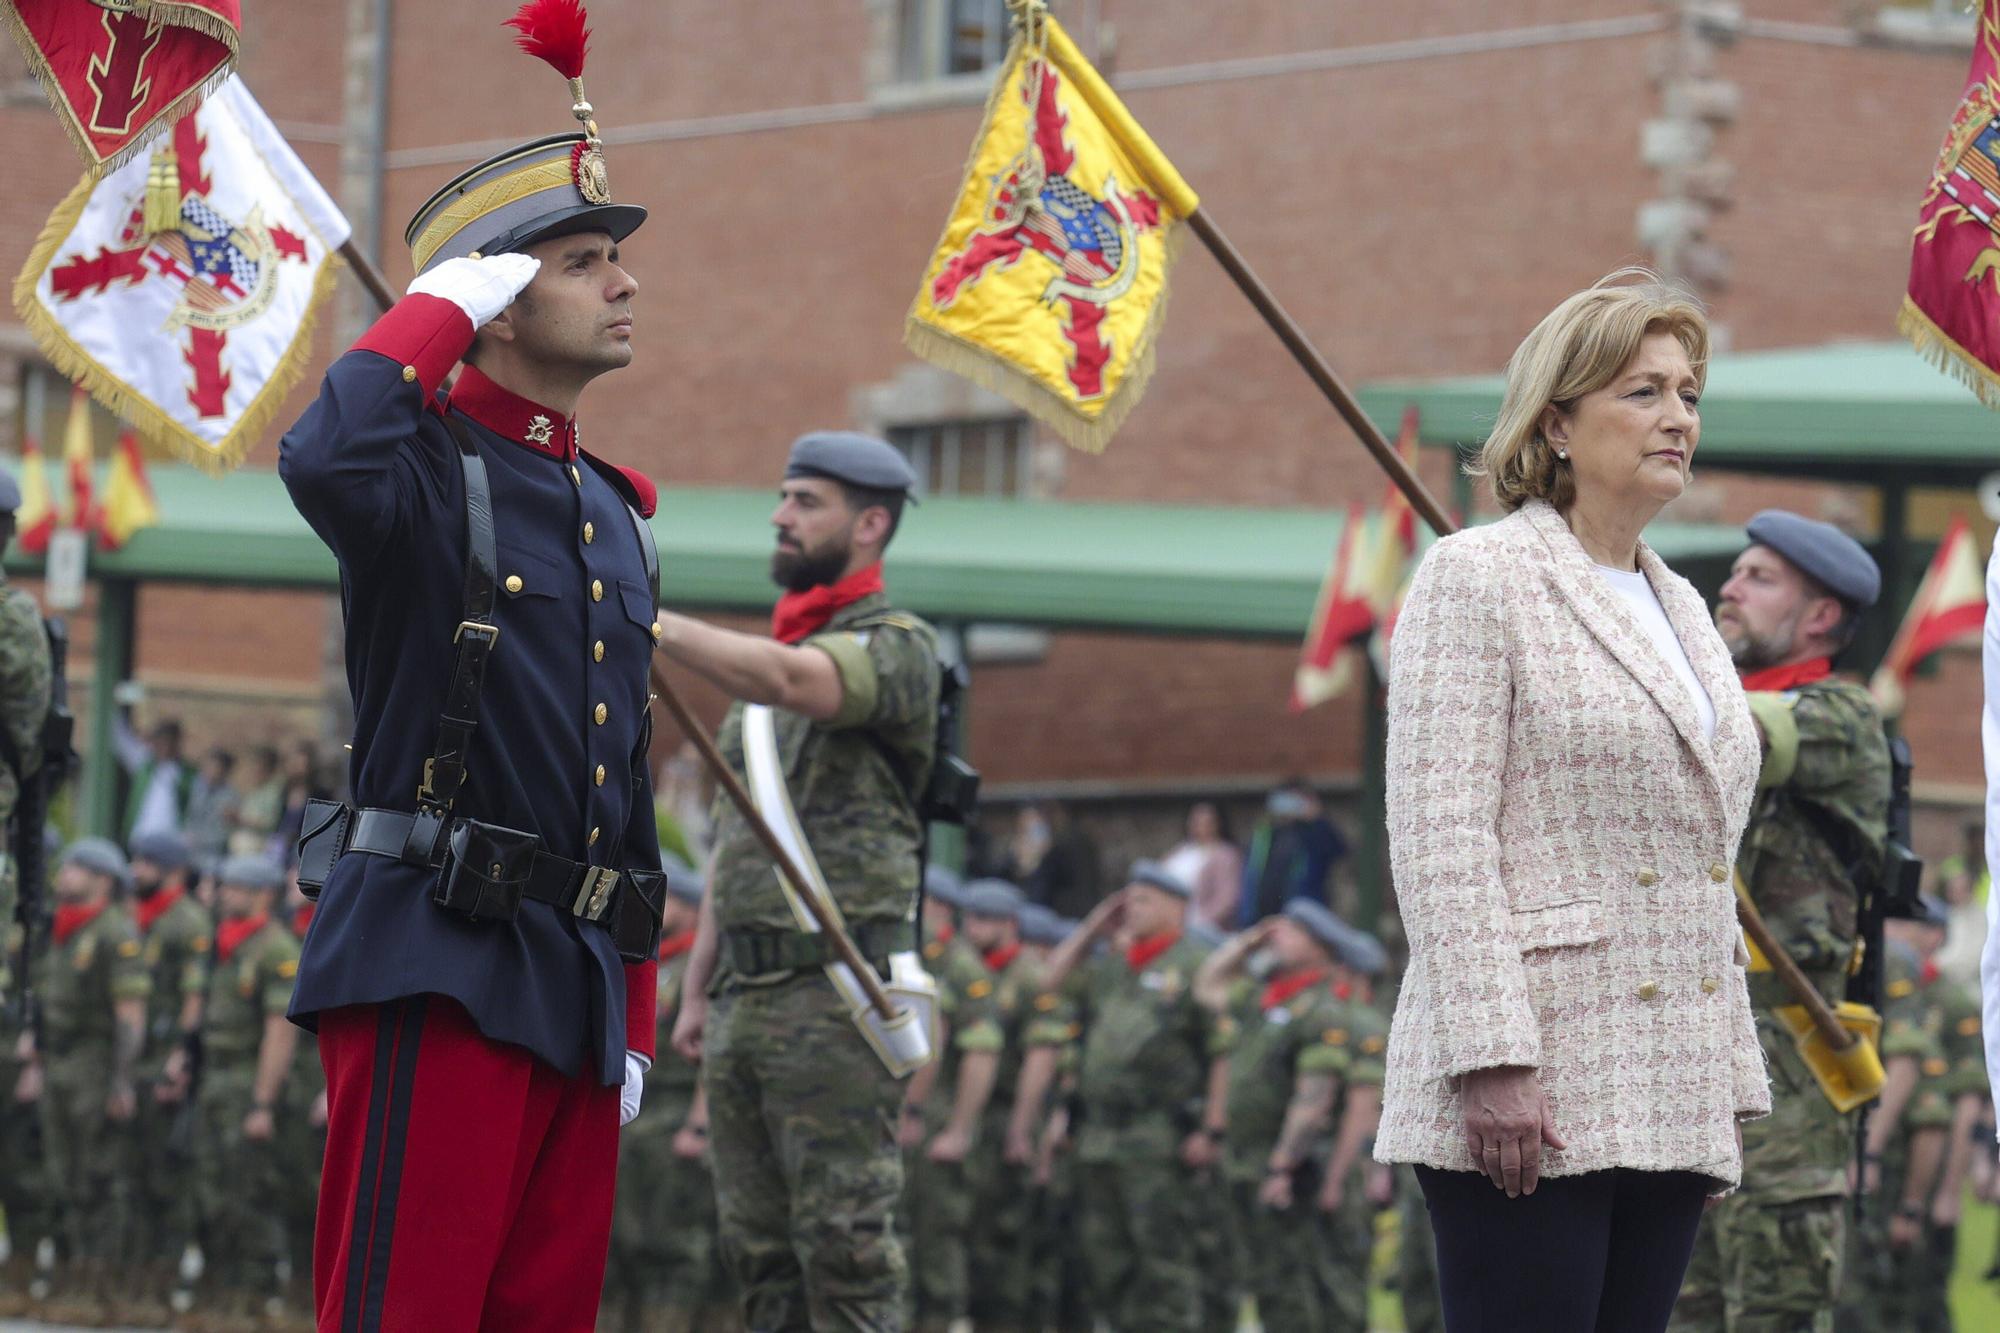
757 953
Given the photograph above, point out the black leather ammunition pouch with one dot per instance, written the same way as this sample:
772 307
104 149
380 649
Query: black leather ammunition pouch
487 871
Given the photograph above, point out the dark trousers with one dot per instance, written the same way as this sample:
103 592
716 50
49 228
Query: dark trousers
1602 1252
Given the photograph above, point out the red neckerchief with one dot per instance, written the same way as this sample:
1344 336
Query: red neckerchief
1773 679
1284 988
303 918
998 959
148 911
946 933
229 936
673 946
1143 952
74 917
1928 973
1342 990
800 615
522 420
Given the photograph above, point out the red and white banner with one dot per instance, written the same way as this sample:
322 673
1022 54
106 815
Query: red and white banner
1950 607
118 72
182 288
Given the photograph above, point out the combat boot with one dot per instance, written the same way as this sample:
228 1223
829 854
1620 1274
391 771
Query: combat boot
144 1302
78 1296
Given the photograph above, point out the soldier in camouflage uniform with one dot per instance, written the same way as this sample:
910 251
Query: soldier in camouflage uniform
174 937
664 1274
1416 1258
1355 1187
247 1055
301 1120
941 1119
1150 1082
24 703
93 988
1901 1259
1001 1283
1769 1256
802 1111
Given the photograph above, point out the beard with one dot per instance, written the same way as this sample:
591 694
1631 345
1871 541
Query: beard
802 571
146 888
1751 651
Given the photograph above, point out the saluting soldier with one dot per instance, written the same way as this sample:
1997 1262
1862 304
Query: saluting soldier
999 1299
93 988
1354 1187
1151 1083
1769 1255
942 1114
480 968
665 1274
802 1112
247 1053
174 936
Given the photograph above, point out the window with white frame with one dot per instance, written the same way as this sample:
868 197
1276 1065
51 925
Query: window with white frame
986 457
944 39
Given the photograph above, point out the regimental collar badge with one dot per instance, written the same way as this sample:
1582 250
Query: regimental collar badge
540 430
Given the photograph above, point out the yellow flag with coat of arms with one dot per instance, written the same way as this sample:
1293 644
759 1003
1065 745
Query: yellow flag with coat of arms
1050 282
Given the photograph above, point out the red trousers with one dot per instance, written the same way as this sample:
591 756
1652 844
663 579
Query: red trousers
467 1185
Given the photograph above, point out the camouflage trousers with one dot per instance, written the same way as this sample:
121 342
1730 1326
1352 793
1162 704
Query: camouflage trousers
802 1119
24 1184
1059 1285
937 1221
1347 1255
1416 1258
1217 1249
664 1272
1139 1242
163 1179
1764 1267
89 1157
1281 1254
1892 1290
1000 1297
240 1187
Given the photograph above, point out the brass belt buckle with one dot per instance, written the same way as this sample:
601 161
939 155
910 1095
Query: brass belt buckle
594 894
492 632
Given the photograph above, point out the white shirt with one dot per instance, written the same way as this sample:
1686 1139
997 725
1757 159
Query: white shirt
1645 606
1989 731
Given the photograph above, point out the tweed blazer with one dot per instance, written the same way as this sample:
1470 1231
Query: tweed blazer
1561 832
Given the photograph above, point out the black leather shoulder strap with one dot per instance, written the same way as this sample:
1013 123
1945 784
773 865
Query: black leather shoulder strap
477 633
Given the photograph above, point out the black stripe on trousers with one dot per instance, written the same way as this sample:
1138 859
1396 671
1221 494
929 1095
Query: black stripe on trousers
396 1033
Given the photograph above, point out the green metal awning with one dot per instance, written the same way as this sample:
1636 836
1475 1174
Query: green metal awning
1860 411
1164 568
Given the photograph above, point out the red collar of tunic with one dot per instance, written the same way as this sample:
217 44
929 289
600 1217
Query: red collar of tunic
72 917
148 911
1142 952
522 420
800 615
998 959
1289 986
1777 678
229 936
673 946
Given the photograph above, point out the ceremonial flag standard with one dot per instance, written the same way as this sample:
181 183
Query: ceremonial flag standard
1950 607
119 72
1952 309
1050 282
1342 615
35 521
128 503
182 291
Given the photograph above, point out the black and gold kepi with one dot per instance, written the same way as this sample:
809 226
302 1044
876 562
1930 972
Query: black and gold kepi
549 187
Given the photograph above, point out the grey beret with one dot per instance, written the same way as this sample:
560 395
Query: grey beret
168 850
1821 551
858 460
10 492
99 855
683 882
251 872
944 885
1349 946
1040 925
1157 875
994 897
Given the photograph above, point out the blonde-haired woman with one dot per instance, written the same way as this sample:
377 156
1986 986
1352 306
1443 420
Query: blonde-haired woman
1571 762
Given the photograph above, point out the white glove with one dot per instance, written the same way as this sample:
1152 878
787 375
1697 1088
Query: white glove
636 1066
483 287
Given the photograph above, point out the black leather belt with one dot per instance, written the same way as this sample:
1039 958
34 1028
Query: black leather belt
581 889
755 953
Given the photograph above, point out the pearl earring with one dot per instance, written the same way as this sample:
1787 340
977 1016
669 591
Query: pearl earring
1563 454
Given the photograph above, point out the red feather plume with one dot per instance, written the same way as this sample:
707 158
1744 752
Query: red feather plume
554 31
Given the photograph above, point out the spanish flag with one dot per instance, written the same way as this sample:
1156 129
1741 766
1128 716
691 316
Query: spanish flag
1050 282
35 523
128 496
1329 660
78 513
1950 606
